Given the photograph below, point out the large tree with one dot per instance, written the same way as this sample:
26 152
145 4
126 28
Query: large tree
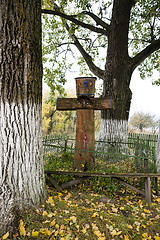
125 33
21 165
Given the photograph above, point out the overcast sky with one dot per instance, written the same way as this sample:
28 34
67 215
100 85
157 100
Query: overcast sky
145 96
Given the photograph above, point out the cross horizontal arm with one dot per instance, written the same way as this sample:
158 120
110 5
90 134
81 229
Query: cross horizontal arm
91 103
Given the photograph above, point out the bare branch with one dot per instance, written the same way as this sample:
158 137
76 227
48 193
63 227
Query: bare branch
74 20
88 59
98 20
140 57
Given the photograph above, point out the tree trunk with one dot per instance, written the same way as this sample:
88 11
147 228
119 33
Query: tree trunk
21 165
114 123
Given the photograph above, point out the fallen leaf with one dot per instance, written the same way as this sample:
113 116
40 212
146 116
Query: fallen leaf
5 236
130 226
101 238
121 208
143 215
95 214
126 237
145 235
46 232
97 233
44 213
22 228
146 211
52 223
73 218
57 226
115 210
50 215
34 233
50 201
156 238
84 230
115 233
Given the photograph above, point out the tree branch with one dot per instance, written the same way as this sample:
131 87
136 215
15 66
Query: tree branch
74 20
140 57
88 59
98 20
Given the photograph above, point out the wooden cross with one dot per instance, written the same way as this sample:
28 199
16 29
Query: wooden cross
84 104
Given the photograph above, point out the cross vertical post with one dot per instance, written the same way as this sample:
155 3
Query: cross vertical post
84 104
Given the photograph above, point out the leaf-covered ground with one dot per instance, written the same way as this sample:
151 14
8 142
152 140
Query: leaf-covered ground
91 211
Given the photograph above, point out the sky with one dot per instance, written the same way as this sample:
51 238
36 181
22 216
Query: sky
145 95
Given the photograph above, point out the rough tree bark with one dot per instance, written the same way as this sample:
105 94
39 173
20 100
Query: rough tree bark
21 166
118 71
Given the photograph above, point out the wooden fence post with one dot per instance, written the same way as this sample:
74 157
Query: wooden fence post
148 190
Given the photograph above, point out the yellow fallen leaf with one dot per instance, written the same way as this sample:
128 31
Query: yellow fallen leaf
143 215
130 226
46 232
115 210
52 223
97 233
121 208
144 226
158 200
44 213
34 233
115 233
56 233
146 236
50 201
73 218
94 227
22 230
126 237
84 230
46 222
50 215
95 214
5 236
156 238
57 226
146 211
102 238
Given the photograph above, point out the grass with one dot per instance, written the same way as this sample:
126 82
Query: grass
97 209
82 213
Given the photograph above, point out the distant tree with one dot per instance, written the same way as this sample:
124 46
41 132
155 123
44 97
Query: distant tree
142 120
57 122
